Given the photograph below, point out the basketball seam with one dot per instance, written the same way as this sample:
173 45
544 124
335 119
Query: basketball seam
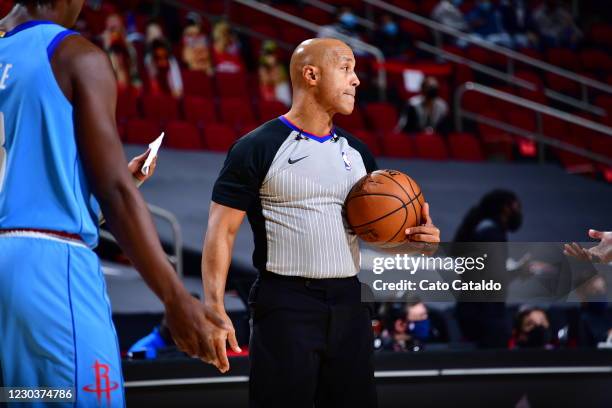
387 214
416 216
400 228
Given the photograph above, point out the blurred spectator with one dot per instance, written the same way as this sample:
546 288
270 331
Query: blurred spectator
389 38
273 82
483 322
196 54
226 50
409 327
122 55
555 25
516 21
531 329
447 12
154 32
346 24
485 22
594 318
163 70
426 111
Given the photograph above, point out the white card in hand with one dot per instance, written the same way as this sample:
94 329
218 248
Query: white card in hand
154 146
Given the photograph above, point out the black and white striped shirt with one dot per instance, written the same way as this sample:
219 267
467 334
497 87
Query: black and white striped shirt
293 184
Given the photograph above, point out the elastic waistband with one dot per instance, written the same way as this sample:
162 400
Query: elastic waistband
42 233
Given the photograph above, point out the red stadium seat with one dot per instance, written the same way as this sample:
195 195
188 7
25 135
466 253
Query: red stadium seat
595 60
199 111
553 127
370 140
231 85
183 135
218 137
563 57
398 145
601 34
562 84
604 102
465 146
269 110
197 83
430 146
525 120
163 108
236 112
417 32
381 116
127 106
295 35
141 131
316 15
475 102
351 122
497 142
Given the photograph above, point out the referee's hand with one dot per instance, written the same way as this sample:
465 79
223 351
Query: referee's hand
426 232
218 336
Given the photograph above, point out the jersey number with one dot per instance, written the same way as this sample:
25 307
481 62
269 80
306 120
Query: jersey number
2 151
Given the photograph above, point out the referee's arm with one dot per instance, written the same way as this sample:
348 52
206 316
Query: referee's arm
223 225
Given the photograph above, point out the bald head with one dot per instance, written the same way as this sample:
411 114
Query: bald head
317 52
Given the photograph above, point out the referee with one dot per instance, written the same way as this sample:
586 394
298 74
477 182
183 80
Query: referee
311 340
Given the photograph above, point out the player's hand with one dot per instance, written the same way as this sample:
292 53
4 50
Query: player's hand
602 252
135 165
218 336
195 328
426 232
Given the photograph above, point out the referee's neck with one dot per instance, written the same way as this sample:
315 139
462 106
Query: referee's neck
311 118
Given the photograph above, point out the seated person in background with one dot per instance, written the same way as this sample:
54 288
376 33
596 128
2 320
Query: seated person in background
594 317
516 21
409 327
164 74
447 12
226 50
389 38
485 22
555 25
196 55
121 52
426 112
347 24
531 329
273 83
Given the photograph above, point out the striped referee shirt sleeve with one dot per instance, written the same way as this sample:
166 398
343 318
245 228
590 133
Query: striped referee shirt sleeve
241 176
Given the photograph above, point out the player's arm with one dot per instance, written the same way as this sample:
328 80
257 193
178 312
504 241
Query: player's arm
223 225
86 77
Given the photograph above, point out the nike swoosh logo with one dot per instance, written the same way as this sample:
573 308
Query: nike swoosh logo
296 160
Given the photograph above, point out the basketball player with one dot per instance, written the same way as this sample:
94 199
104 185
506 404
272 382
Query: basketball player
58 150
311 340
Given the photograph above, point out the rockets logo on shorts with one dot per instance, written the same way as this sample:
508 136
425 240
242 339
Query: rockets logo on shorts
347 163
103 385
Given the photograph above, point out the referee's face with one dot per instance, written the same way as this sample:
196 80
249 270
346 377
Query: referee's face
339 81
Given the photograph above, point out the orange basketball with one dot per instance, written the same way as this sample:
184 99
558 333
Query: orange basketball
382 204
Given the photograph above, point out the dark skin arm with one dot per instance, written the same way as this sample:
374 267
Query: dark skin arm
85 76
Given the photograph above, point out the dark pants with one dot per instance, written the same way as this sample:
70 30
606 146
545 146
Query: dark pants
311 344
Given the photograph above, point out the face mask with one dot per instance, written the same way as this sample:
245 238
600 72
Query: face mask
432 92
390 28
539 336
348 20
515 220
419 330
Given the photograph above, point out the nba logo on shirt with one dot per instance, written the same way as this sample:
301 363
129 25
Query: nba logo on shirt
347 163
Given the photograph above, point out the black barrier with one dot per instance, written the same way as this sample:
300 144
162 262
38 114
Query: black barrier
502 378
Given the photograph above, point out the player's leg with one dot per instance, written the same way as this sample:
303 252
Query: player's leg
287 337
35 316
56 322
99 379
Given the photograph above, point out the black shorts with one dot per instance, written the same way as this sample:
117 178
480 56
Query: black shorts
311 344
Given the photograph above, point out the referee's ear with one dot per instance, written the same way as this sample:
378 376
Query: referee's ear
310 74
